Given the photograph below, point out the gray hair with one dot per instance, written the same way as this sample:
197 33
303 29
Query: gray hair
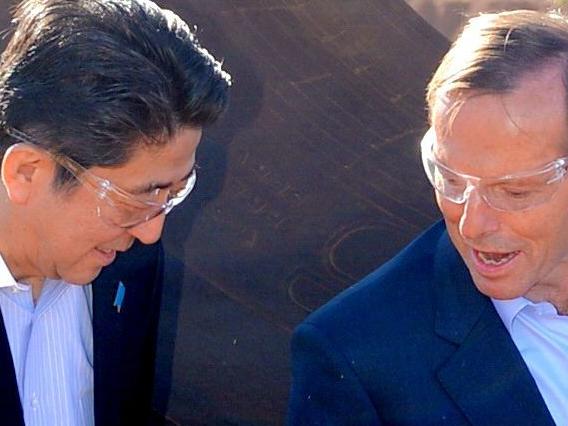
495 51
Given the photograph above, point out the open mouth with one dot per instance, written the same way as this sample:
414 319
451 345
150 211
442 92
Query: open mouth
495 259
106 255
106 251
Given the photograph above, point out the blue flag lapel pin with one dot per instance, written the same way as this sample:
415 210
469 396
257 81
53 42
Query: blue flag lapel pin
119 298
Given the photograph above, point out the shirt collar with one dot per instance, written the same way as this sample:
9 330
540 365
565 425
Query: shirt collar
7 279
509 309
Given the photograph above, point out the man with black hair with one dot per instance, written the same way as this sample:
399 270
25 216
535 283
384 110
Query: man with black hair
102 105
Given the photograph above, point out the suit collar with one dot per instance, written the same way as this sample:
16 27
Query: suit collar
10 406
458 303
486 375
108 327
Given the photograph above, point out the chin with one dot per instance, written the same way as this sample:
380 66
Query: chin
81 278
498 290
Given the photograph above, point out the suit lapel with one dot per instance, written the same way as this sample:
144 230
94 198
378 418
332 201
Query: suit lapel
10 406
486 376
108 329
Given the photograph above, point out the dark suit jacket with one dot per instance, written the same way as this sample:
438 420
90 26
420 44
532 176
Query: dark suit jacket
414 343
123 343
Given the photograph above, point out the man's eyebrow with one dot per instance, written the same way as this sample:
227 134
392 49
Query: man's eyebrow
152 186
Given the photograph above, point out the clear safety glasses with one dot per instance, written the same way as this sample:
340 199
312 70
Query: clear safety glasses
515 192
116 206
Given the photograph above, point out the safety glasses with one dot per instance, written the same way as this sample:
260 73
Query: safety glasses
515 192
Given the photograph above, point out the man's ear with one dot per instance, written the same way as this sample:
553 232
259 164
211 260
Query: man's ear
22 171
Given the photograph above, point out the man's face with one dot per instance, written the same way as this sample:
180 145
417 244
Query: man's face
509 253
69 239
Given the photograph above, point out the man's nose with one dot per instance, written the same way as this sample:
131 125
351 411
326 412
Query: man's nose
478 218
149 232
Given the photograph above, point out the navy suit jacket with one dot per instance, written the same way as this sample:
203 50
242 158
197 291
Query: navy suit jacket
123 343
414 343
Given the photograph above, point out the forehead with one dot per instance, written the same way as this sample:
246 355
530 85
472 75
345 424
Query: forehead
166 163
497 134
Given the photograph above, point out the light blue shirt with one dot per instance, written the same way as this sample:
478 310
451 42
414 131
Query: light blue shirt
541 336
52 348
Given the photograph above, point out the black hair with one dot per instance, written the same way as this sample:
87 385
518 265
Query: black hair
96 79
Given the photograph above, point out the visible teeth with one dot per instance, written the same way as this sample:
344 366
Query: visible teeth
107 251
496 259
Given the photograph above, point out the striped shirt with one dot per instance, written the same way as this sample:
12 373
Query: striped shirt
52 348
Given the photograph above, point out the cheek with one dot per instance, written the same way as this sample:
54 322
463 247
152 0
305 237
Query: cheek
550 231
546 225
452 212
79 211
77 224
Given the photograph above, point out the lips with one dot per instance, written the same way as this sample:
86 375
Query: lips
496 259
106 256
492 263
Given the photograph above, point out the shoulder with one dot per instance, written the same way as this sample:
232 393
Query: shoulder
396 297
401 277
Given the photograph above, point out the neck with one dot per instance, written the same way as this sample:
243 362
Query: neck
22 276
554 292
15 254
552 288
36 292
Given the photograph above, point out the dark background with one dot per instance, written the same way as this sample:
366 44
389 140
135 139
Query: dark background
448 16
310 181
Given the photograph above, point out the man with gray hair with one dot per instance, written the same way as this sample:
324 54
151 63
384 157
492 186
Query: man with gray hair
102 105
468 324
